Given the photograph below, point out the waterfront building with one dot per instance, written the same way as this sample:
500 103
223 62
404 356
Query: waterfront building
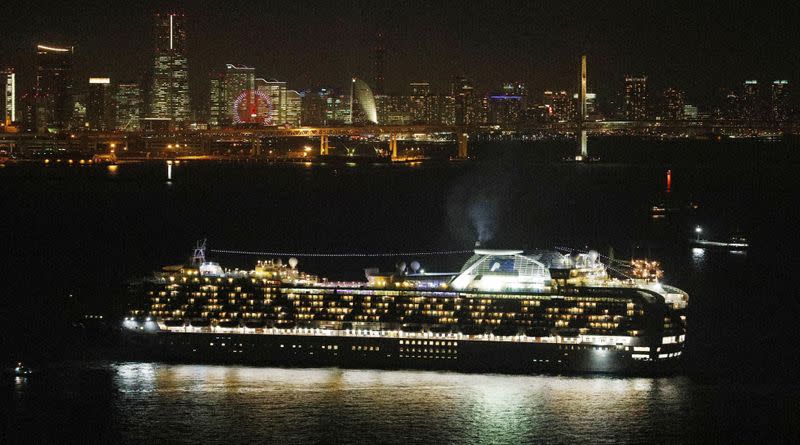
169 95
420 88
99 105
505 109
751 103
363 108
561 107
673 104
53 88
635 105
780 100
312 107
337 107
690 112
8 87
471 108
591 103
292 109
239 89
128 101
77 119
276 105
394 110
420 103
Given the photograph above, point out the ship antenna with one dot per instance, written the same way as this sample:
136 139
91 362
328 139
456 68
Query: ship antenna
199 256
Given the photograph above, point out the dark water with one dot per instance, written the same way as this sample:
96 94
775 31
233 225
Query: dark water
73 236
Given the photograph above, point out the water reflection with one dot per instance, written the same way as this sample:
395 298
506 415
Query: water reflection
698 257
320 405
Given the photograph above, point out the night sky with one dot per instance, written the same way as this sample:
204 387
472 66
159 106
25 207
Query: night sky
694 46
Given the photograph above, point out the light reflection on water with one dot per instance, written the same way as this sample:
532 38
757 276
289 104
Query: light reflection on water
319 405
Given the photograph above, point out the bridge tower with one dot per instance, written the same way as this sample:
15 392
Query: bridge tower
323 145
462 138
393 145
583 149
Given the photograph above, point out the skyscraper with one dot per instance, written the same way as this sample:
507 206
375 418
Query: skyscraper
780 100
750 100
169 95
99 110
276 91
216 99
313 107
560 107
8 86
53 89
225 89
635 107
420 88
674 101
471 108
420 103
292 111
128 99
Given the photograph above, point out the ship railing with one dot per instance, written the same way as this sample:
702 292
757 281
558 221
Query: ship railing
600 340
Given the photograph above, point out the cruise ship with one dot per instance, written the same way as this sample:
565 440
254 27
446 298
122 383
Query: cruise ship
505 311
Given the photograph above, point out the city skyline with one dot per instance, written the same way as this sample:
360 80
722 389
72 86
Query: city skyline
325 46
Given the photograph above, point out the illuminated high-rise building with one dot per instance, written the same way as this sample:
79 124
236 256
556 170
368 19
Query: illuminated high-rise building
443 108
275 90
128 100
420 103
780 100
393 110
750 100
53 88
591 103
560 107
635 105
99 108
216 99
674 100
420 88
363 108
8 87
463 91
292 108
312 107
226 87
169 95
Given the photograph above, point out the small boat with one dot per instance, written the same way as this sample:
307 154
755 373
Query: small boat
22 371
735 242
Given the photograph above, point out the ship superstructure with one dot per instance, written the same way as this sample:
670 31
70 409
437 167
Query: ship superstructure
505 310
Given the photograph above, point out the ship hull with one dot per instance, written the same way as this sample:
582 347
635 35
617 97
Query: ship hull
390 353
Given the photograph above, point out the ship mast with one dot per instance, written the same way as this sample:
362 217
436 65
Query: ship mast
199 255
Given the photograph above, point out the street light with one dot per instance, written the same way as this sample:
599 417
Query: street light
698 230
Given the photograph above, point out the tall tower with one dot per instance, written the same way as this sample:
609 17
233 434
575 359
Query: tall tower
128 101
583 88
169 95
99 112
53 90
583 142
380 65
8 84
635 98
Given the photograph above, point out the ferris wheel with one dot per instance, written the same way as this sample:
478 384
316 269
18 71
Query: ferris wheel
252 107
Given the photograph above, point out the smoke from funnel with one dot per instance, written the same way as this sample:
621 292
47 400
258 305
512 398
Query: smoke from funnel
477 203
